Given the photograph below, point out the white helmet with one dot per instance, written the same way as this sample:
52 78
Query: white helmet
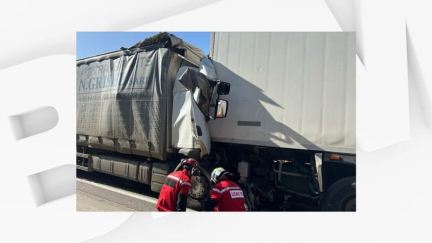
217 174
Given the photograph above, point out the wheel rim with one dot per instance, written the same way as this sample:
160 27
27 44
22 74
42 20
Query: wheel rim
200 188
200 185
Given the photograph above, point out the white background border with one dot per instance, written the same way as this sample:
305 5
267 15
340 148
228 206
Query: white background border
37 69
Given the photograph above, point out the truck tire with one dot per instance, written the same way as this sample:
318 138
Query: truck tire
341 196
195 201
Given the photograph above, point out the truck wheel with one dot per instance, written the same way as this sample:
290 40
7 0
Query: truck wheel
341 196
200 189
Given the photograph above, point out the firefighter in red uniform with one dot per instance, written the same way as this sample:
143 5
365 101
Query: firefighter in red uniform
225 195
174 193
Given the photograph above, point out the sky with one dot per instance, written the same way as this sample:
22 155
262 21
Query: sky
95 43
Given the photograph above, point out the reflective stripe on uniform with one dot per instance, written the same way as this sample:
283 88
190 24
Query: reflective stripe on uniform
179 180
185 183
173 177
227 188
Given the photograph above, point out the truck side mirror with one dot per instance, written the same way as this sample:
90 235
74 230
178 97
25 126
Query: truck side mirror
223 88
222 108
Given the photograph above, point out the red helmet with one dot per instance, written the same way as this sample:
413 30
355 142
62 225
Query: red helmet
192 163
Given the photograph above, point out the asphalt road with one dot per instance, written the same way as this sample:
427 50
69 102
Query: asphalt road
98 192
89 203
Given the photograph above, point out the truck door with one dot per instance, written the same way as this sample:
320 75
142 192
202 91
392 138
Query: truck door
191 96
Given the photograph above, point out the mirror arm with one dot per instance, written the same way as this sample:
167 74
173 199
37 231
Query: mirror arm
214 85
216 107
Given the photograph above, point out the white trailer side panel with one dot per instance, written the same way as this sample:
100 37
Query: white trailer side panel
292 90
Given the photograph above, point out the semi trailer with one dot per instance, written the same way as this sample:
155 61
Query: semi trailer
275 109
